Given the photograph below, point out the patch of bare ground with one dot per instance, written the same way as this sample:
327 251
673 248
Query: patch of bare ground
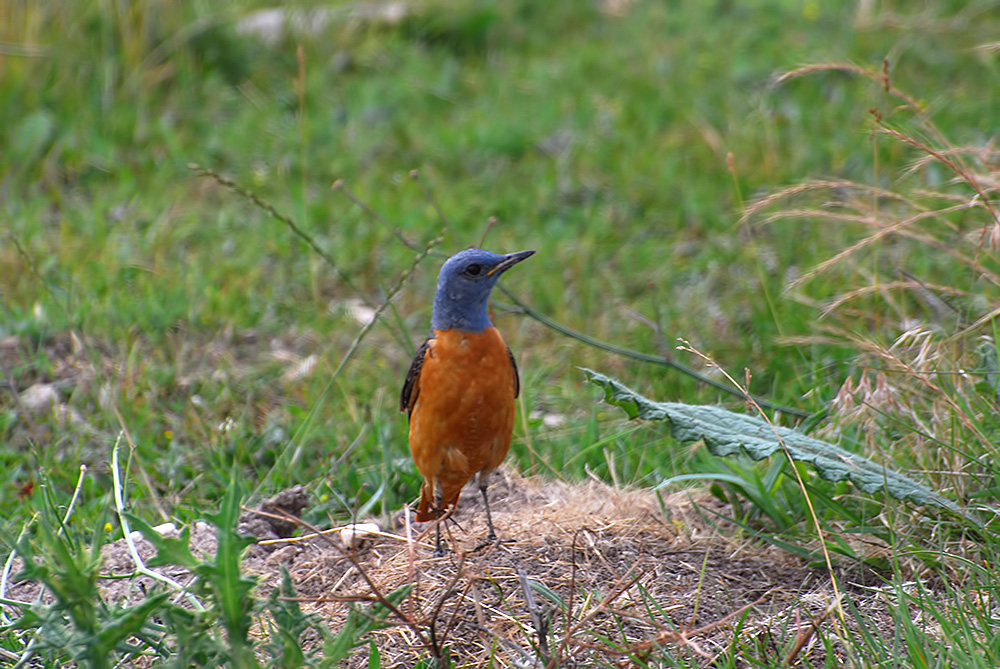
60 383
627 579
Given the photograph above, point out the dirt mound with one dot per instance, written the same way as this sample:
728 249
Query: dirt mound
605 574
614 573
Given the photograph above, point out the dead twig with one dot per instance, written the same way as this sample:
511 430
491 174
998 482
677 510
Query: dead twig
804 635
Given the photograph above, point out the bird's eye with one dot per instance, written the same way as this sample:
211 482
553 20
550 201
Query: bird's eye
473 269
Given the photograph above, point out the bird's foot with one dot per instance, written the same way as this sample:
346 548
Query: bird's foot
491 540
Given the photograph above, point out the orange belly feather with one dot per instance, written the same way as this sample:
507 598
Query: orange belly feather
463 418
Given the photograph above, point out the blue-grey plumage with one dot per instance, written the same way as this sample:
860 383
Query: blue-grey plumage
464 286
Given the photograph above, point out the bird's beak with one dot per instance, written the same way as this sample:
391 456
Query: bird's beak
509 261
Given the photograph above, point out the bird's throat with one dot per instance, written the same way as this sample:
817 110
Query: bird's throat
450 314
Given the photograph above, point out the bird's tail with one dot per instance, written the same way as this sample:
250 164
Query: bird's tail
427 510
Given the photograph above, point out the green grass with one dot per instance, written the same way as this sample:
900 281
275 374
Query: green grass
601 141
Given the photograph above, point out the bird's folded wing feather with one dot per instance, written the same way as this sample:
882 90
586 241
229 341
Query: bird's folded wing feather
517 377
408 397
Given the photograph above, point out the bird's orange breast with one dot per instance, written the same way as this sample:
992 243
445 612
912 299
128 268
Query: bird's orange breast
463 417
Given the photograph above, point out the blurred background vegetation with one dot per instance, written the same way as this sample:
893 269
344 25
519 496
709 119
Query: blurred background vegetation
623 140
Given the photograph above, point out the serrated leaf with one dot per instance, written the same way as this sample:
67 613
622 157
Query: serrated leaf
289 622
728 433
230 587
30 618
126 622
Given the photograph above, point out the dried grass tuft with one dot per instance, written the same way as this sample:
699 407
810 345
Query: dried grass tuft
614 575
617 574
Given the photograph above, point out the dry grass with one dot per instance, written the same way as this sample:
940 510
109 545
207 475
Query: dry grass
918 333
620 578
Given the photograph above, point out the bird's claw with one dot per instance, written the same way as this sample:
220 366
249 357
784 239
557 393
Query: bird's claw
491 540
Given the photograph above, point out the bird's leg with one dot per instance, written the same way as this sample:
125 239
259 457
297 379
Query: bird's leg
483 478
438 504
491 538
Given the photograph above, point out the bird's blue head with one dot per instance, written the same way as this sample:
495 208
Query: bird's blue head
464 287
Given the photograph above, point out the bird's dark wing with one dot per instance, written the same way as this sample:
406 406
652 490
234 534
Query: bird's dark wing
408 397
517 378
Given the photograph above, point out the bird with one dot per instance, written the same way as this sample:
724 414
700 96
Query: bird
460 389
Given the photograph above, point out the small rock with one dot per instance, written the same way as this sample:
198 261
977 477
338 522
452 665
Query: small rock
284 555
39 398
259 526
356 534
